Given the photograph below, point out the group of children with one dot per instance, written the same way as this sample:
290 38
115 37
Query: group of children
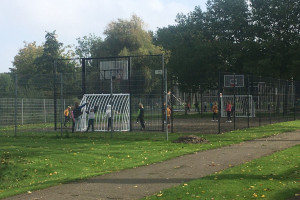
75 113
228 110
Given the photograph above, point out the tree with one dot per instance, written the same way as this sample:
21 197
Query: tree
228 23
7 86
88 46
193 59
52 50
277 32
125 37
24 62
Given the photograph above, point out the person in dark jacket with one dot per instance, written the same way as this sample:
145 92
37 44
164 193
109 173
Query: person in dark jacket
76 113
141 116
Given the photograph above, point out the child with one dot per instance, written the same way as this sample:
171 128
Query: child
91 119
108 116
67 115
169 116
228 110
215 111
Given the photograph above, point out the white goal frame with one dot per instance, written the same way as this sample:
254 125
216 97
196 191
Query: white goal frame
241 105
120 107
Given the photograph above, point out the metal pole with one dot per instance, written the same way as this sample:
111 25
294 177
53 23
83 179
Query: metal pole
45 114
248 105
111 105
22 110
83 72
16 96
234 101
61 102
166 108
129 89
258 95
54 93
294 98
219 105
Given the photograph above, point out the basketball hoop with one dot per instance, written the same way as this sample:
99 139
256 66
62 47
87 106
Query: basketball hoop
233 81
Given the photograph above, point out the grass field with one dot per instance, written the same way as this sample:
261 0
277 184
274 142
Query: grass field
271 177
33 161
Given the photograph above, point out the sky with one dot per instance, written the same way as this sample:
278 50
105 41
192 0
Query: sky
28 20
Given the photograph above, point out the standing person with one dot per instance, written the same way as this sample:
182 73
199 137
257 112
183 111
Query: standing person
108 116
67 114
189 106
91 119
141 116
169 116
197 106
228 110
76 113
215 111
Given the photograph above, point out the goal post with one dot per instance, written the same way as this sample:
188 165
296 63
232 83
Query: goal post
243 105
121 109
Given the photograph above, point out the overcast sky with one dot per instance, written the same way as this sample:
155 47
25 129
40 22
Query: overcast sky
27 20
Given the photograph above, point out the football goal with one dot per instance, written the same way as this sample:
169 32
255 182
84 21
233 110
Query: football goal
243 105
120 108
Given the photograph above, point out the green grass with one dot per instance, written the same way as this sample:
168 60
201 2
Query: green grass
271 177
33 161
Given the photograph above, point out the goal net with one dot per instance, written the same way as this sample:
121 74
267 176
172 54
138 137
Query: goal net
120 108
243 105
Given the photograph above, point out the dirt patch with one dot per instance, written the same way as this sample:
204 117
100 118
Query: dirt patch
191 139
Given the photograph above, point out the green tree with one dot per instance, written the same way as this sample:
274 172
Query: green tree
7 85
277 29
52 50
227 22
88 46
193 59
127 37
24 62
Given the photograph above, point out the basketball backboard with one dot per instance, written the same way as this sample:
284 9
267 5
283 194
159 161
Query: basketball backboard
114 68
233 80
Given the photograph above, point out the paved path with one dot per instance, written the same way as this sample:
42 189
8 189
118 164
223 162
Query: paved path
143 181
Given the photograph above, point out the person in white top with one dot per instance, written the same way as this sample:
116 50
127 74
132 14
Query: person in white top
91 119
108 115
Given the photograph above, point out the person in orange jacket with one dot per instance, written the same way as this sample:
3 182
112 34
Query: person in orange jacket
215 111
67 114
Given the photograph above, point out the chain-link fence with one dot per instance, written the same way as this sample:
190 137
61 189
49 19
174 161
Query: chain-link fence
242 101
37 102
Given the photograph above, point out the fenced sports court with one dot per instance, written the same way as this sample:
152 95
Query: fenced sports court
37 102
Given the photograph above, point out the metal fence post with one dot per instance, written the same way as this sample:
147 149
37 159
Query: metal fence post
16 96
234 101
61 104
219 103
45 114
166 108
22 110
